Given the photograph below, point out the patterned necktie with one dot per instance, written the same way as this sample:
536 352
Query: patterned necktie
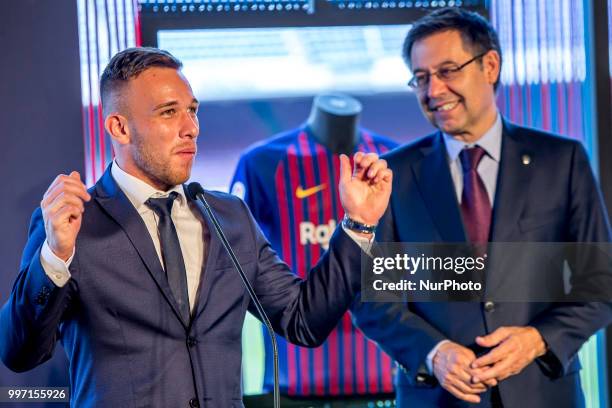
475 204
171 251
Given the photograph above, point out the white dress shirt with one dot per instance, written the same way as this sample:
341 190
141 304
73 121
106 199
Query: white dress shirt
188 220
487 169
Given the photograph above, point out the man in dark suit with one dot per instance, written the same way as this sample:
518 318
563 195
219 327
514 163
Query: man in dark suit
478 179
133 281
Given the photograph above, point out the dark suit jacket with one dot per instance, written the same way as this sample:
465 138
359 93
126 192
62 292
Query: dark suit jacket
553 198
119 323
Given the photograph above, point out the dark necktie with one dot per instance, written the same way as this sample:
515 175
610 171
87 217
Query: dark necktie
171 251
475 204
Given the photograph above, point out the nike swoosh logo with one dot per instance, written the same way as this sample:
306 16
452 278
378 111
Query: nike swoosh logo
301 193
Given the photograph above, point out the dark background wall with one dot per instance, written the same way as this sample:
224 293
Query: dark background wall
40 129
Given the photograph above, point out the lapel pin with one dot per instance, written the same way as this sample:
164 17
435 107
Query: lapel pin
526 159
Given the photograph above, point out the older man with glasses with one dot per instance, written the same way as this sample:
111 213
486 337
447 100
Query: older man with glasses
480 179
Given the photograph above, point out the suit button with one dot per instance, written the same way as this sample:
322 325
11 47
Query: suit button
489 306
194 403
191 341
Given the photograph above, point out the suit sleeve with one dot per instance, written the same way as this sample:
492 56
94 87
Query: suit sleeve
402 334
306 311
566 327
30 318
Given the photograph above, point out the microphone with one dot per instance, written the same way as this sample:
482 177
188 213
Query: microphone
196 192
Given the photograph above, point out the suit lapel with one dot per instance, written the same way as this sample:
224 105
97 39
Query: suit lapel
515 171
433 177
118 207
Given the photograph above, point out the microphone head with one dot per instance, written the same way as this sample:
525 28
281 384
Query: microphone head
193 189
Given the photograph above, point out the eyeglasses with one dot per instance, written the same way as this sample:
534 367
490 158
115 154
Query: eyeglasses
446 73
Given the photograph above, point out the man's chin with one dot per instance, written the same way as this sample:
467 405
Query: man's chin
447 126
176 178
182 179
182 173
450 128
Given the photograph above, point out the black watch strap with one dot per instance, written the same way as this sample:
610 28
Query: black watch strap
353 225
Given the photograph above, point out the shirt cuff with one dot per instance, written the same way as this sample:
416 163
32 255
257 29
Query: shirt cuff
363 242
431 354
55 268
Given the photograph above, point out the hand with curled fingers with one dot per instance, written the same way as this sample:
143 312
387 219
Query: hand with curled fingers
365 191
513 348
62 209
451 367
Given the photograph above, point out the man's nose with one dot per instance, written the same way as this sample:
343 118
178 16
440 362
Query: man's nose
190 125
435 87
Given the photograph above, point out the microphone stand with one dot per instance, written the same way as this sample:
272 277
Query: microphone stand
197 192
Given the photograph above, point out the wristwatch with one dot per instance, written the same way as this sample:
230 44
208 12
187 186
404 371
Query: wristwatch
353 225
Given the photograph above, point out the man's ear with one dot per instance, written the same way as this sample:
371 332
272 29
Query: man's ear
491 63
117 127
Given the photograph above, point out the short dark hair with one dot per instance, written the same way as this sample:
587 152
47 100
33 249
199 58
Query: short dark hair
476 32
130 63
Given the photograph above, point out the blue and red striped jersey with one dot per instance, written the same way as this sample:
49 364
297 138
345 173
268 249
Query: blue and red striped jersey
290 183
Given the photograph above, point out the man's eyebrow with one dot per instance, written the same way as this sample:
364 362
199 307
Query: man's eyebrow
446 62
174 103
165 105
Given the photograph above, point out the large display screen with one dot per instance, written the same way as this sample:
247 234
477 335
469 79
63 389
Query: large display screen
259 63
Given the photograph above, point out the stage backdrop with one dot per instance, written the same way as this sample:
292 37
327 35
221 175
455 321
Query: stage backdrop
52 123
